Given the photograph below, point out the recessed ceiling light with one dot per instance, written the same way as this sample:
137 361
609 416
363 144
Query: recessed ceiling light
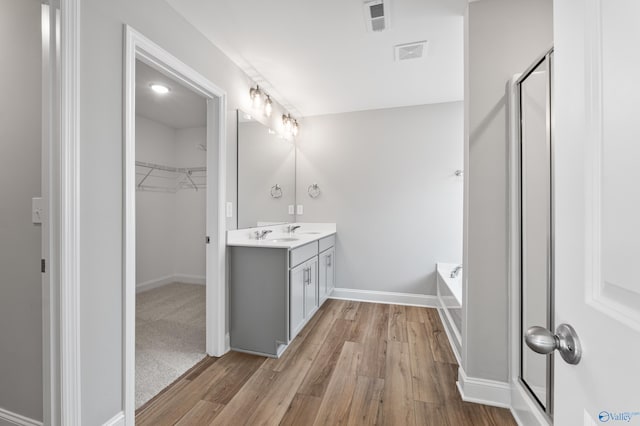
160 89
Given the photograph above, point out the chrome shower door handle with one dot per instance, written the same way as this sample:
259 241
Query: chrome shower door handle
566 341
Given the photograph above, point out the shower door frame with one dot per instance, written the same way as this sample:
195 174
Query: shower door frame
522 398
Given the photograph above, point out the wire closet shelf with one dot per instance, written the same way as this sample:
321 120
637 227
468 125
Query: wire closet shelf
160 178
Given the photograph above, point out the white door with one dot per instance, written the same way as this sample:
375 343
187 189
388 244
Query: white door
597 216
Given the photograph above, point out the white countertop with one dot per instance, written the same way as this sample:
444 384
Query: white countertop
308 232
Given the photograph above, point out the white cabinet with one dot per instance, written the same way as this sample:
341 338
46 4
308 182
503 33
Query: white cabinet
311 289
297 284
326 276
303 294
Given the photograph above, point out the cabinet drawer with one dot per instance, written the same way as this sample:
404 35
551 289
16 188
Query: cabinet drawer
300 254
327 242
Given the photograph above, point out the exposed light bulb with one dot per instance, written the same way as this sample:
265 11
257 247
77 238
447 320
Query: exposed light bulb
287 122
294 128
268 106
256 96
159 88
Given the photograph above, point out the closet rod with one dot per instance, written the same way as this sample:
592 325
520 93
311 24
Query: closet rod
169 168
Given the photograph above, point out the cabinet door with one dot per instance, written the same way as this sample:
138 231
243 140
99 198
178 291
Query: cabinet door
329 264
311 288
323 291
297 284
326 275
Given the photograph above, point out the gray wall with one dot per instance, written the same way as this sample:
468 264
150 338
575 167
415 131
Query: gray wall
503 38
388 180
101 157
20 240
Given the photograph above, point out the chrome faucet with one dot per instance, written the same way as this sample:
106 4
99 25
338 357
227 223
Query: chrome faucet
261 235
292 228
456 271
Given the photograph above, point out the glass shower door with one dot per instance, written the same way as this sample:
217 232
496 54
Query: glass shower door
536 296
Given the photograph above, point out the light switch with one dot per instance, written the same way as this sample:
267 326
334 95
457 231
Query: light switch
291 209
300 209
37 210
229 209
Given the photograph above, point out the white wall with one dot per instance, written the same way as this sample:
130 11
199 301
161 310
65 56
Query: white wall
264 160
155 211
388 180
503 38
101 157
170 227
190 219
20 240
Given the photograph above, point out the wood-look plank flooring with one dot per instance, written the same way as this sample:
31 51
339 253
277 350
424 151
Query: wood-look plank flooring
353 364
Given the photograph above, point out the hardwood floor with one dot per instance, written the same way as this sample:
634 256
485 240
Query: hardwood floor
353 364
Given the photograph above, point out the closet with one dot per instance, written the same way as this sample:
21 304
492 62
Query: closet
171 175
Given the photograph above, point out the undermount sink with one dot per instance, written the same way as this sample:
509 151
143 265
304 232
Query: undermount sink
282 240
310 232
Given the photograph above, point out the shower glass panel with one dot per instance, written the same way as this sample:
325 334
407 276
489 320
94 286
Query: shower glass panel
536 236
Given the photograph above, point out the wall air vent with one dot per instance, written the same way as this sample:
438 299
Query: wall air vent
414 50
376 15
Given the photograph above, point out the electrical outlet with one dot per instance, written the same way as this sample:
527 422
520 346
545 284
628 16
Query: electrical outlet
300 209
292 209
229 209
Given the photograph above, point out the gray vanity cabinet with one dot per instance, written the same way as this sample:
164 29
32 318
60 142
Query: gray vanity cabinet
274 292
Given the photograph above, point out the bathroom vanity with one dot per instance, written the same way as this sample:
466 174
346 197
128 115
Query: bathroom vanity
277 283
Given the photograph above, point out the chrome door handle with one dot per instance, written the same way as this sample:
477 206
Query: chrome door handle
566 341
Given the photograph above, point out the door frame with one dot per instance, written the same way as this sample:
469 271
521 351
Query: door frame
140 47
523 406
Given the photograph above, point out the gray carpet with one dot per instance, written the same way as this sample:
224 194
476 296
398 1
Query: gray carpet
170 336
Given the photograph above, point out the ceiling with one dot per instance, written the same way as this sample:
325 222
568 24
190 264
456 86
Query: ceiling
180 108
317 57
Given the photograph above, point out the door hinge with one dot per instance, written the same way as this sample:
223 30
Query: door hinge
207 240
43 266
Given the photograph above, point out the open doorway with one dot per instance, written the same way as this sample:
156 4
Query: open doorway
174 222
171 177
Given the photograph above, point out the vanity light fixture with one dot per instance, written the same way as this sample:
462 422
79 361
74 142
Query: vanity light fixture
287 123
160 89
268 106
256 96
290 125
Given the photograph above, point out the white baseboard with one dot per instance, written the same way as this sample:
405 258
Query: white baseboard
190 279
16 419
176 278
386 297
483 391
450 333
117 420
524 409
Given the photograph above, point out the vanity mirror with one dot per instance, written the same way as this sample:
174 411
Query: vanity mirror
266 175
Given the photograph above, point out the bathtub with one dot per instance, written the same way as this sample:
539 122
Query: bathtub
449 291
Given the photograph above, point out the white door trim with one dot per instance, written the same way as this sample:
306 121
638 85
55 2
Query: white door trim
67 220
138 46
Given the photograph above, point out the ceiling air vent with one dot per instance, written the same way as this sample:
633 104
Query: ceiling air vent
376 15
414 50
